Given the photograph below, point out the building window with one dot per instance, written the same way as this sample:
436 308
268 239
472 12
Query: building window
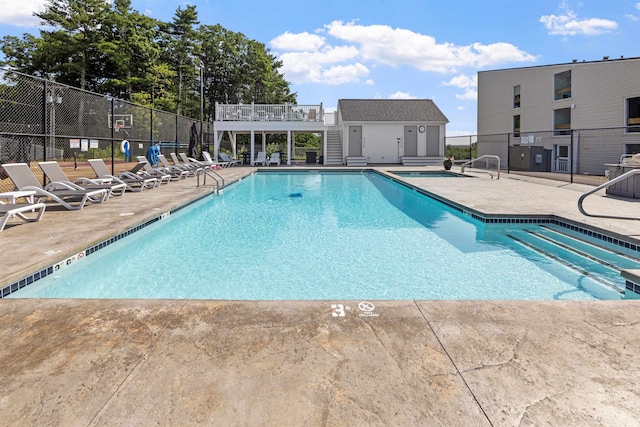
516 96
561 121
516 125
633 114
562 85
631 148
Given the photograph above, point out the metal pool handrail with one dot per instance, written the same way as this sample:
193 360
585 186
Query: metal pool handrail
486 156
207 171
607 184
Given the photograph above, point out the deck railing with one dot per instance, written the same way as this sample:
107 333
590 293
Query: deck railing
268 112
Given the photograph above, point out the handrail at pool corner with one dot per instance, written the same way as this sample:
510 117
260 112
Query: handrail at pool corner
485 156
607 184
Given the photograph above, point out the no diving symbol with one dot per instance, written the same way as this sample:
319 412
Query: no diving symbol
367 309
366 306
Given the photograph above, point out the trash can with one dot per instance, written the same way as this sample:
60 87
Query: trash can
311 157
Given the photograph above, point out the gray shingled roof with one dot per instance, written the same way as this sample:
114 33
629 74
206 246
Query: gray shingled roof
390 110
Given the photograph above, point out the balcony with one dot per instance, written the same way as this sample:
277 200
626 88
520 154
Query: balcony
268 113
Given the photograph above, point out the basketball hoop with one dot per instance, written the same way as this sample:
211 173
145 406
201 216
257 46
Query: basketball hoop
117 127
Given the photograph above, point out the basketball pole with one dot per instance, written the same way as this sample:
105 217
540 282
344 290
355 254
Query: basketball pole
201 107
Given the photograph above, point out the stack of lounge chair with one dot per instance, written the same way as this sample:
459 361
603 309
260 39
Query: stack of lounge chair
54 173
133 181
69 196
32 194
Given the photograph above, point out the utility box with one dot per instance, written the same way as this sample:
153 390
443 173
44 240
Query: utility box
311 157
527 158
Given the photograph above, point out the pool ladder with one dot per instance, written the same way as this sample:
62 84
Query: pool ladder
206 171
485 157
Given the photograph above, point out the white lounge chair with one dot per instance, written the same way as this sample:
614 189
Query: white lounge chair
261 158
174 169
133 181
155 172
190 160
54 172
60 192
186 165
18 210
207 159
274 159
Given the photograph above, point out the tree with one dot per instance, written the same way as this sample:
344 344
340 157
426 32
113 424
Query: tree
24 55
130 51
182 55
115 50
462 151
239 70
73 48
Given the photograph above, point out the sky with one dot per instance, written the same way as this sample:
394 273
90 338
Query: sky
403 49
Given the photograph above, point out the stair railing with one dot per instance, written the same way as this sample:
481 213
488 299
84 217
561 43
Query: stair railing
206 171
486 156
607 184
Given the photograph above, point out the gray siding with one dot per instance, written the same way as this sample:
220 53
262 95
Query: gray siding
599 90
598 93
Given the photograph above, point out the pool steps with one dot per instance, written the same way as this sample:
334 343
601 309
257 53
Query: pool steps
602 264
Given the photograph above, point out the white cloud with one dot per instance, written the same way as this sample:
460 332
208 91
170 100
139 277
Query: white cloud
463 137
398 46
344 74
321 66
20 12
460 108
463 81
468 83
297 42
632 16
568 24
354 50
369 82
402 95
468 95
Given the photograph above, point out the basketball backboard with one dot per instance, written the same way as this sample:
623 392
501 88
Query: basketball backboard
121 120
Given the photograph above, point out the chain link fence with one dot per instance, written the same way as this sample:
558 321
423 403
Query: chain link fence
576 155
41 120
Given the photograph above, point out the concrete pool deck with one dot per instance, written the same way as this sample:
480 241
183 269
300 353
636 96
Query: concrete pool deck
183 362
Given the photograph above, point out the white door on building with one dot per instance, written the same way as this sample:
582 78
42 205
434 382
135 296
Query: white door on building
355 141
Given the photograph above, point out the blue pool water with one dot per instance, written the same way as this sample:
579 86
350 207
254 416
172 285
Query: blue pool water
301 236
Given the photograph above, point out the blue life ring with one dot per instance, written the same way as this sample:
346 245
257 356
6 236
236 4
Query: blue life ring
124 146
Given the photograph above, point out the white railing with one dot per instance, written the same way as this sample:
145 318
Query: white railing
268 112
607 184
488 160
562 164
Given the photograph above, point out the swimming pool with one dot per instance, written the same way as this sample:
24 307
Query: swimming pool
323 235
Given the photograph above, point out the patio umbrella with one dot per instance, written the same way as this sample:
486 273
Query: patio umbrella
193 140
